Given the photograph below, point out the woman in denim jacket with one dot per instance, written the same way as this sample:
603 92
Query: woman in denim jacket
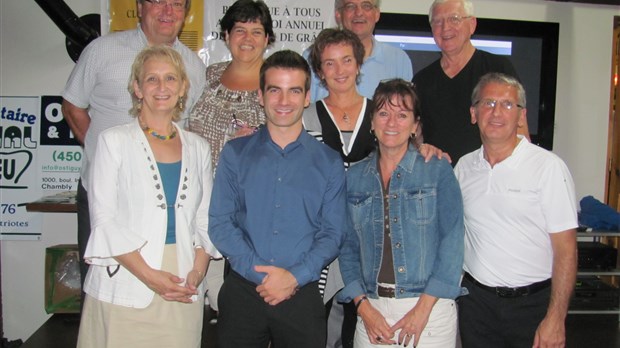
402 259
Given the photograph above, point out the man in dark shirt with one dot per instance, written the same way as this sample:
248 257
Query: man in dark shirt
278 215
445 86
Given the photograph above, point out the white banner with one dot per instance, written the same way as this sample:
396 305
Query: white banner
295 23
38 157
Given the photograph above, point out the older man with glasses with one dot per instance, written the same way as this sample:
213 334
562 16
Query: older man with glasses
381 61
96 97
520 228
445 85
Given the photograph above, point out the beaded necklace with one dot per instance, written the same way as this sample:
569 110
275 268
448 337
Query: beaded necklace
152 132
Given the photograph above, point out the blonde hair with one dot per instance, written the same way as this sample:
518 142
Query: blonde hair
161 52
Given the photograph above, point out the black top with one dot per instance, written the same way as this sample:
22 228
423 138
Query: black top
445 102
363 144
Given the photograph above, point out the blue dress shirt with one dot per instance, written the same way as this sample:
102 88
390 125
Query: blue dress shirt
280 207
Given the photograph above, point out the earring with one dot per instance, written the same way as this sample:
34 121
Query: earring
181 106
139 105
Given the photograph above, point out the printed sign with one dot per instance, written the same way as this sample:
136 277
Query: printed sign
38 157
19 134
295 24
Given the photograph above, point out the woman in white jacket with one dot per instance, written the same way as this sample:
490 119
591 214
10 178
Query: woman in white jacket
148 249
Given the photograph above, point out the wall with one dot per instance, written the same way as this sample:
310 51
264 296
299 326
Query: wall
33 62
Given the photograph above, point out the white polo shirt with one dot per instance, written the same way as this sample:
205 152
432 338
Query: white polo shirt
510 210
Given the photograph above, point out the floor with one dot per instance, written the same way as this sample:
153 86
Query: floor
599 331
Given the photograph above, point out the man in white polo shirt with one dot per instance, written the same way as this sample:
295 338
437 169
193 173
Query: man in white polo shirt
520 228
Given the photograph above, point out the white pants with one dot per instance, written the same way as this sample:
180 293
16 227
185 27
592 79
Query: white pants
440 331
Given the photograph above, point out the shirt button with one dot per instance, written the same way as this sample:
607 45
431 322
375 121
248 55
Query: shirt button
401 269
401 291
277 206
395 196
398 175
272 260
395 219
279 179
275 232
397 245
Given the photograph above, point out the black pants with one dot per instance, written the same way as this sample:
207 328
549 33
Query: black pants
245 320
487 320
83 232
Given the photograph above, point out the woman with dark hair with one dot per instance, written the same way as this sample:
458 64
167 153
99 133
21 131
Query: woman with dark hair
228 106
402 258
342 118
342 121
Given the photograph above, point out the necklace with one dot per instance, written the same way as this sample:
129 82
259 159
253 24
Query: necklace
152 132
345 117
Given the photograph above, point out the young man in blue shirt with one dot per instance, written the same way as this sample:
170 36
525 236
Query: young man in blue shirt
278 215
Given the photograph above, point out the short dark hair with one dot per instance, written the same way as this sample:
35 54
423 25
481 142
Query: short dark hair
335 36
402 89
285 59
245 11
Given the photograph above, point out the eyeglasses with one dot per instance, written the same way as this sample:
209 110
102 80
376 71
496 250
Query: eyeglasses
491 103
454 20
176 5
351 7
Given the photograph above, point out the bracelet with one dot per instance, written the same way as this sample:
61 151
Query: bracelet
357 305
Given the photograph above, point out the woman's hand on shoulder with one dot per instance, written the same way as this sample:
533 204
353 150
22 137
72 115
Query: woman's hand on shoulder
428 151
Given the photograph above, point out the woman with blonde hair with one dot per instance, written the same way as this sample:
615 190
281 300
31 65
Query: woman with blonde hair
148 249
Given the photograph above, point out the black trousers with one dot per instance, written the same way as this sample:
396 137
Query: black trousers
487 320
83 232
245 320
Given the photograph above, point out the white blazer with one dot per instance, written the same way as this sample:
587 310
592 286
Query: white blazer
128 211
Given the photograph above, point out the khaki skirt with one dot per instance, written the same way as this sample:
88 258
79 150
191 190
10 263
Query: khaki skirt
161 324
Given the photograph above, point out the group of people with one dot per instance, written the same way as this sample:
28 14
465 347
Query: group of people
323 181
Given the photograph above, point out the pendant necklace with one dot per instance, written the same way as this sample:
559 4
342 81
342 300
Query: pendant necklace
345 117
152 132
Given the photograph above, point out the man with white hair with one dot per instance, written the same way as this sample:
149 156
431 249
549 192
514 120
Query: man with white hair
445 85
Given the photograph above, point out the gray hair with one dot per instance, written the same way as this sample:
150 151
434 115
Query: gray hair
339 3
188 3
502 79
468 6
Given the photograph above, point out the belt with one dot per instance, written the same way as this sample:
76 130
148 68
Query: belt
511 292
385 292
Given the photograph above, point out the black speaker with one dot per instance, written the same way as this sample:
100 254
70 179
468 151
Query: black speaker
596 256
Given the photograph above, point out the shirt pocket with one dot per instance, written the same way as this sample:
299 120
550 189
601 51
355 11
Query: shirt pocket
359 204
420 205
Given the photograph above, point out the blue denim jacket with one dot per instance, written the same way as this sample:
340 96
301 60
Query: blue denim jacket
426 223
